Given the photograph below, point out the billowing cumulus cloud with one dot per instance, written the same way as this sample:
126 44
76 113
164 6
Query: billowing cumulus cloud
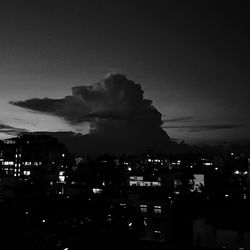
119 116
114 98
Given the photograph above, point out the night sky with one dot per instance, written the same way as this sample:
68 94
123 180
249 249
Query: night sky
190 58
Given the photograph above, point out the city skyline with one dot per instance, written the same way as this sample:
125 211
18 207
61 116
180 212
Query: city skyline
190 60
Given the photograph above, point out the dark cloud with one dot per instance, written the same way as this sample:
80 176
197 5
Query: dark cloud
119 116
200 128
179 119
9 130
71 108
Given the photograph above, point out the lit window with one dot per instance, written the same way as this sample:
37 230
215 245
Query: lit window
156 183
157 209
157 231
26 173
143 208
132 183
109 218
61 178
7 163
123 205
207 163
97 190
224 247
136 178
61 173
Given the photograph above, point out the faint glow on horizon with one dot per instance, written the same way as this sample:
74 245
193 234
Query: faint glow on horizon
97 190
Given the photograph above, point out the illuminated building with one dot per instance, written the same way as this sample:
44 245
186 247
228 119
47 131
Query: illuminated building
154 208
30 155
139 181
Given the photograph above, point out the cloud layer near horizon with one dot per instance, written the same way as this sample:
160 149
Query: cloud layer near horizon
9 130
200 128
